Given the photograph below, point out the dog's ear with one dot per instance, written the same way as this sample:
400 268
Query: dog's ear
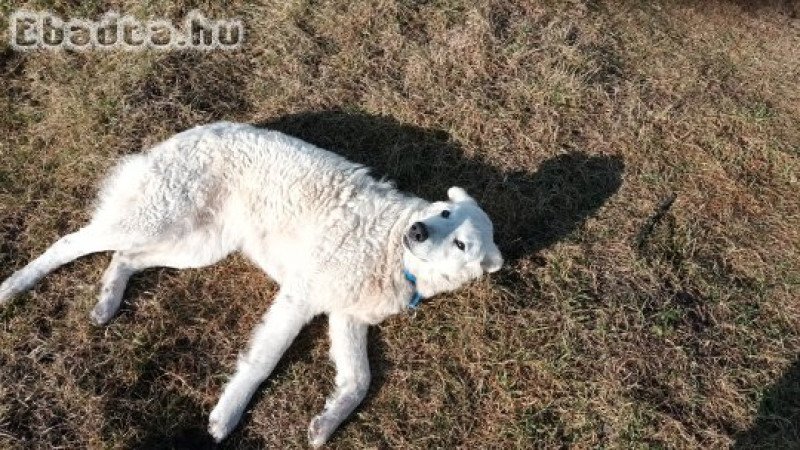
493 260
457 194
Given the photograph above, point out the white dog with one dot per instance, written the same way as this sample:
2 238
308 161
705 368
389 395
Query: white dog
336 240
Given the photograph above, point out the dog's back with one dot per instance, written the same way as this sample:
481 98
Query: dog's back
188 181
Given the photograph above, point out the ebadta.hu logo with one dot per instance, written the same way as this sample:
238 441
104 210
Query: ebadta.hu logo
33 30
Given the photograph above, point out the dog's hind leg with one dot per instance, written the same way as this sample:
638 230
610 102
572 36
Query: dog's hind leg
270 340
349 354
191 251
87 240
115 279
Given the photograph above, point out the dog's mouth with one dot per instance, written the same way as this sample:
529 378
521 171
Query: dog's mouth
407 245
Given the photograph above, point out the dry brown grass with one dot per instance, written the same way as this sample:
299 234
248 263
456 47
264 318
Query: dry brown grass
570 121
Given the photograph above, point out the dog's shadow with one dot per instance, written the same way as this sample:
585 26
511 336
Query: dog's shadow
530 211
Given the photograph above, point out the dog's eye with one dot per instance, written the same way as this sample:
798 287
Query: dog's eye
446 214
459 244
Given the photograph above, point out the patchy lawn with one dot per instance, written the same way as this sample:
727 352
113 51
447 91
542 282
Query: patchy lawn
621 320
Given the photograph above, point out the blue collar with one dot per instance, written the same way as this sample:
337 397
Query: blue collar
416 298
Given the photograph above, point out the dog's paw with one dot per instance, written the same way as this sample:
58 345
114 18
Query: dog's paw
6 292
218 429
319 430
102 314
220 424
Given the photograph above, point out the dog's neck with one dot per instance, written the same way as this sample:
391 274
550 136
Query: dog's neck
399 211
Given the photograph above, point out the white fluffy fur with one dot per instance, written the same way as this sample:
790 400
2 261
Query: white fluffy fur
333 238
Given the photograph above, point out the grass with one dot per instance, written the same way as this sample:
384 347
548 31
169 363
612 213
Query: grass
572 122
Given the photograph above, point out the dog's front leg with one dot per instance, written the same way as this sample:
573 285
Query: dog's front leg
270 340
349 354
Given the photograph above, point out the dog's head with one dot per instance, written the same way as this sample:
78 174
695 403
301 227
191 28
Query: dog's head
450 243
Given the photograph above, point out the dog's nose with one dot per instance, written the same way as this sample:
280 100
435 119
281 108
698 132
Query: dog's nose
418 232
